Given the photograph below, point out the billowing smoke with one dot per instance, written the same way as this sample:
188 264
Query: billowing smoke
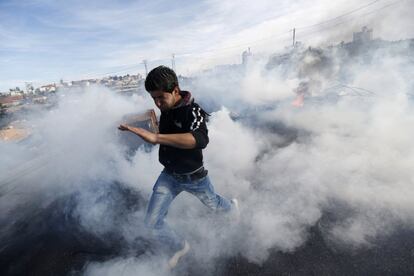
61 181
340 163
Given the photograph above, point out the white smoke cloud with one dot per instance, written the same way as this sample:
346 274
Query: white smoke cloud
353 154
351 157
131 266
71 147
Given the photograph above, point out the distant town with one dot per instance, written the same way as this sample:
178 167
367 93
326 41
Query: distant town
15 98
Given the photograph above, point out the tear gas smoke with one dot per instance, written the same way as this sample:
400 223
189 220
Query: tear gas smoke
347 154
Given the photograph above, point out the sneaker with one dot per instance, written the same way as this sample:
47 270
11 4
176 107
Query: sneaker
235 211
177 255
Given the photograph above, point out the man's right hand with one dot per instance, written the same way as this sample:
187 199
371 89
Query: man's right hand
123 127
148 136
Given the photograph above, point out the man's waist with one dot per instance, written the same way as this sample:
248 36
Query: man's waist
193 175
181 164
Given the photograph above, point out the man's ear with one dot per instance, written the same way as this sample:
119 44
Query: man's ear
176 91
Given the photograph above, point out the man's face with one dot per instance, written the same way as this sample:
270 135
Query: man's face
164 100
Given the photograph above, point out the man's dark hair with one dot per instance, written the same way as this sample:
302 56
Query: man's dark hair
161 78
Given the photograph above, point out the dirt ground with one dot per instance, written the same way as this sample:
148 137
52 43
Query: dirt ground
13 134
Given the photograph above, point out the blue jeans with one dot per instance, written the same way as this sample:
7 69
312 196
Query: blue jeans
165 190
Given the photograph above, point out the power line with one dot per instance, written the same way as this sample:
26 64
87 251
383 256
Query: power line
350 19
113 72
279 35
236 46
283 33
287 32
340 16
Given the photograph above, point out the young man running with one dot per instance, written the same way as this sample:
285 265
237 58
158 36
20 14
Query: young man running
182 136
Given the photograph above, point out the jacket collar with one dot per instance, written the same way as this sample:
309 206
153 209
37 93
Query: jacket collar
186 99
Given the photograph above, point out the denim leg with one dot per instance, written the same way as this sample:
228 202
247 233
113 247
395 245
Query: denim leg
204 191
163 194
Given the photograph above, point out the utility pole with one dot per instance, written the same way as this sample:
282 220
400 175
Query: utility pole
173 62
294 37
146 67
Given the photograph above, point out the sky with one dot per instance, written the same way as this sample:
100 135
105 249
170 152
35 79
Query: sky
43 41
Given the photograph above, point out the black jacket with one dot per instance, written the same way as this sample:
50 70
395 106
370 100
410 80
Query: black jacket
186 117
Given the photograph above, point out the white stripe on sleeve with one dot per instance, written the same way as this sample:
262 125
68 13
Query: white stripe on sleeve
198 119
